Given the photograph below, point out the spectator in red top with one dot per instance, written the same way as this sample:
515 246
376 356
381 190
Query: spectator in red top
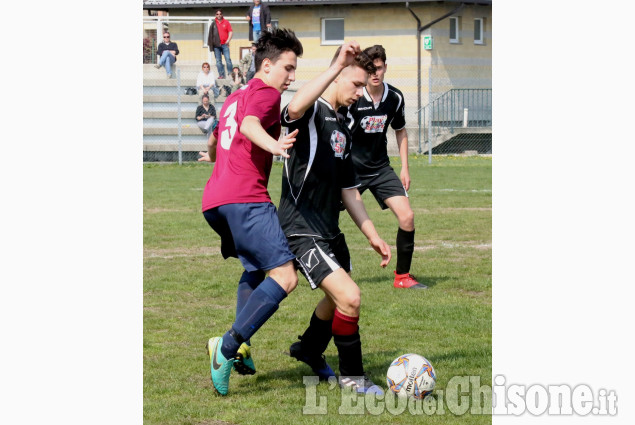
220 34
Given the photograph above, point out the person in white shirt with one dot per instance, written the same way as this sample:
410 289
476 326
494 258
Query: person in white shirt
206 82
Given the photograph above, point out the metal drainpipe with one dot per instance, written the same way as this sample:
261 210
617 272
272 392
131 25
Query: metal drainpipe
418 74
419 30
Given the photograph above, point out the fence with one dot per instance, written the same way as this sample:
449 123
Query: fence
458 121
170 130
456 97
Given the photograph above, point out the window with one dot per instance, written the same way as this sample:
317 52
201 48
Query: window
455 30
478 31
332 31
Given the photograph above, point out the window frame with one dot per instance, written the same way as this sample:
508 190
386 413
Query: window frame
323 40
457 21
481 39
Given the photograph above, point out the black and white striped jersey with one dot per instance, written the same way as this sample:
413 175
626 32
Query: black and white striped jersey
318 168
369 125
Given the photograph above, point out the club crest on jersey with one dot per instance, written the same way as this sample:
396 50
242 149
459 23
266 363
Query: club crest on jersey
338 143
374 124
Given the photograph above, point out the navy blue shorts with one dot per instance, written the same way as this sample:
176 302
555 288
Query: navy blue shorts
250 232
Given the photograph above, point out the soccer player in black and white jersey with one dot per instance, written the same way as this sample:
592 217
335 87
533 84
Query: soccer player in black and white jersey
318 175
380 106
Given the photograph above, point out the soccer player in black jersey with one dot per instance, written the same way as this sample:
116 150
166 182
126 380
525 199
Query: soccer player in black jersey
318 175
380 106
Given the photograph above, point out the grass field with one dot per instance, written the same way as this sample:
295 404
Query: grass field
189 296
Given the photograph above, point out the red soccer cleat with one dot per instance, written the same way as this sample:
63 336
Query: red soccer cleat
407 281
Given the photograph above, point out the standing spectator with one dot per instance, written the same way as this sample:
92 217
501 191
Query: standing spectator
206 81
248 63
237 79
258 16
220 34
166 53
206 116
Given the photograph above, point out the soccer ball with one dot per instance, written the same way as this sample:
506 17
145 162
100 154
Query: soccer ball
411 375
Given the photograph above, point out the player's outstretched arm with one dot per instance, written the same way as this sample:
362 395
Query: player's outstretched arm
252 129
210 155
355 206
402 144
311 91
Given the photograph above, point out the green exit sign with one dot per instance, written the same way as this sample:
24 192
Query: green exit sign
427 42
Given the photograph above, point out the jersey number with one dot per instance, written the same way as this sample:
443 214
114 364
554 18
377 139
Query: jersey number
227 136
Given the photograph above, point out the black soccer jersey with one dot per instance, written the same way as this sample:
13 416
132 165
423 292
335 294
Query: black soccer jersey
318 168
369 125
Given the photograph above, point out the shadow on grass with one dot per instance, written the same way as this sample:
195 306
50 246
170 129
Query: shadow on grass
375 368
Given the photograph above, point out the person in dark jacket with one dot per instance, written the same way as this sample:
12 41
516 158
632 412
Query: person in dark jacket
220 34
259 18
166 54
206 116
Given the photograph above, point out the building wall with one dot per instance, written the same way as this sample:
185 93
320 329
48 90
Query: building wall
446 66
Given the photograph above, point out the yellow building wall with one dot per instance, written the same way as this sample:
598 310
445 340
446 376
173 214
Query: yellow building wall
446 66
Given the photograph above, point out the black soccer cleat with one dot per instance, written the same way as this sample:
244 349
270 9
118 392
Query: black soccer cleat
317 363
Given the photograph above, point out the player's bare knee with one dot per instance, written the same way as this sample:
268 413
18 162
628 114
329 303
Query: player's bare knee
286 277
407 220
351 303
288 283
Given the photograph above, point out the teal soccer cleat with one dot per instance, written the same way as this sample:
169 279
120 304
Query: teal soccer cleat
220 367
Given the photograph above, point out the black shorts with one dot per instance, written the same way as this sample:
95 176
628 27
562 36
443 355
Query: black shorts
383 184
317 258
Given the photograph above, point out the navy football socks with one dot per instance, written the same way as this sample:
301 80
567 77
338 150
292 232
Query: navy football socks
249 281
260 306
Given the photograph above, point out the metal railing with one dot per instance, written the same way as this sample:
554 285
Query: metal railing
465 112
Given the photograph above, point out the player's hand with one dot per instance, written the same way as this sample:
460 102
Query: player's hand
382 249
347 53
285 143
204 157
405 178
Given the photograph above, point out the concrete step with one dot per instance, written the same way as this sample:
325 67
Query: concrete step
173 99
188 74
163 81
187 129
187 114
174 147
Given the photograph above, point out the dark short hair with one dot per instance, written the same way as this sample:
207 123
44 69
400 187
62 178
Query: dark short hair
218 9
362 60
272 44
376 52
205 96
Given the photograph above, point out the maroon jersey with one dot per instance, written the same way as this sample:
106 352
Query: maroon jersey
242 169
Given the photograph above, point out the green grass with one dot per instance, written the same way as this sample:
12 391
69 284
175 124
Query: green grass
189 296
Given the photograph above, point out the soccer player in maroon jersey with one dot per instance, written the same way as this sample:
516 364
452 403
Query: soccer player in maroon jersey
236 203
